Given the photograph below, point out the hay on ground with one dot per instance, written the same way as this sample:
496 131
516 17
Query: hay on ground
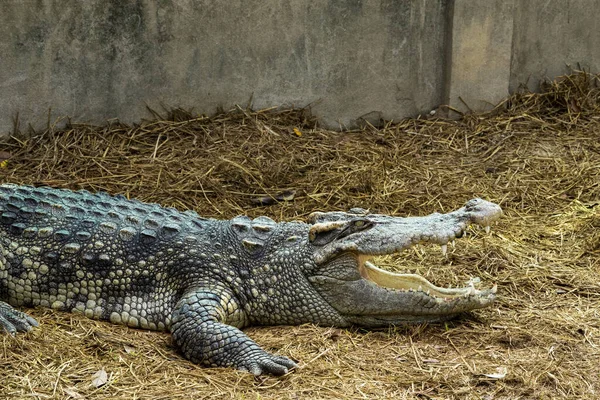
538 155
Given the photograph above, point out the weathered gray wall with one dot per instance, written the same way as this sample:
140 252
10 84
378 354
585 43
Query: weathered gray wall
96 60
101 59
480 54
551 36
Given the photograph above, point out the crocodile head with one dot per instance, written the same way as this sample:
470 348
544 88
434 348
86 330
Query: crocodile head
369 296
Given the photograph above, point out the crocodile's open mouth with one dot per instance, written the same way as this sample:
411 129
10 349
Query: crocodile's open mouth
412 282
367 295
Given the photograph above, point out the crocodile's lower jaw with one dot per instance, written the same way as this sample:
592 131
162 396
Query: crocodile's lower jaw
413 282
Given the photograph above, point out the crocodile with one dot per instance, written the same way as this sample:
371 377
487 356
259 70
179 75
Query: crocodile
151 267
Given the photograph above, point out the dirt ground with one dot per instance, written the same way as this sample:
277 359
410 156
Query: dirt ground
538 155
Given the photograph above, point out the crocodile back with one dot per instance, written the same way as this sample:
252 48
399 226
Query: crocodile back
105 256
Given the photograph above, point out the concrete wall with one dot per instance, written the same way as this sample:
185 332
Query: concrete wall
102 59
481 50
551 36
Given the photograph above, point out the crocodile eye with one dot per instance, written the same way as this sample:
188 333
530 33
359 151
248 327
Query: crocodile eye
360 223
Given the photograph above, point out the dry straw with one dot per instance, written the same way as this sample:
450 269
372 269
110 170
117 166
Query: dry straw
536 154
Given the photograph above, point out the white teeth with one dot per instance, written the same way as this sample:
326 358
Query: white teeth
473 281
471 291
453 243
494 289
444 249
420 289
487 229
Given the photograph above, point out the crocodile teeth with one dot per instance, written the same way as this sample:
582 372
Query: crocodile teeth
473 281
487 229
444 249
453 243
494 289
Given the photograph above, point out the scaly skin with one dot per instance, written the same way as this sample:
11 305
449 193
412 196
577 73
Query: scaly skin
202 279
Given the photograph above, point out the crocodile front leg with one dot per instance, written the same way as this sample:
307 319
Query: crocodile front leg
13 321
202 329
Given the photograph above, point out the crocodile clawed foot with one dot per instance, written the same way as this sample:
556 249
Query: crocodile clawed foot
266 363
13 321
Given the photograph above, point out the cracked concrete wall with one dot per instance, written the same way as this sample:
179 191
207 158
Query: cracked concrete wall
480 54
497 45
553 37
98 60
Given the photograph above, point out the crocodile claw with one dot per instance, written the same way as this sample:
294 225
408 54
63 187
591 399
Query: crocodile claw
268 364
13 321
